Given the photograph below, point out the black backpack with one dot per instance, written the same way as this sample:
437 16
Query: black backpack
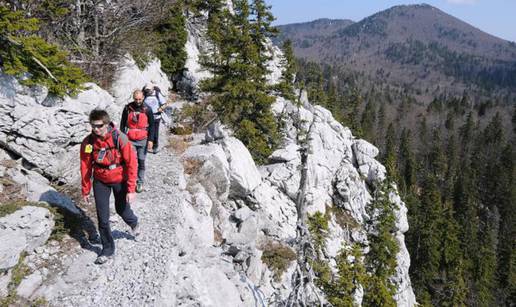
157 91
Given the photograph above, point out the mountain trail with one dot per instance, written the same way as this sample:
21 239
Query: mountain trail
134 276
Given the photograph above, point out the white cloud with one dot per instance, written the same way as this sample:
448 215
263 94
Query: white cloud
461 1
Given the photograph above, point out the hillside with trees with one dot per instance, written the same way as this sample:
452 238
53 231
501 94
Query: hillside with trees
452 156
415 48
439 103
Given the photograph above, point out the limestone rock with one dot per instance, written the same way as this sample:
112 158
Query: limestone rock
215 131
29 285
23 230
129 78
244 175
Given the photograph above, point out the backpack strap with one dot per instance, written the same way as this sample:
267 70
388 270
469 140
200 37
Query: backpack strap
157 90
114 134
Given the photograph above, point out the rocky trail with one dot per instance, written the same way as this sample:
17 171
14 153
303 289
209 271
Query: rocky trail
134 275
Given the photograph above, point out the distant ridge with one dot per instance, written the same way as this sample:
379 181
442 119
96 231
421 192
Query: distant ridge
416 46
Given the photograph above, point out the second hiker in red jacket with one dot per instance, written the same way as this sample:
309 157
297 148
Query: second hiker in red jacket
138 123
108 157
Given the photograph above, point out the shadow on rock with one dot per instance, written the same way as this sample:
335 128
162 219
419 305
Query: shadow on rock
72 220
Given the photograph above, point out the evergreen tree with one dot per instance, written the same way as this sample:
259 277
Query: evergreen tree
407 163
381 259
171 38
240 93
452 164
390 156
506 272
451 264
465 206
381 123
286 84
368 120
426 257
25 54
436 159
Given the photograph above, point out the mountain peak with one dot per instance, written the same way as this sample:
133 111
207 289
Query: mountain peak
425 43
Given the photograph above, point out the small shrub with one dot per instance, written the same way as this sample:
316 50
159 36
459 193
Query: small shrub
9 208
318 227
39 302
181 130
196 116
19 272
343 218
12 192
177 144
277 257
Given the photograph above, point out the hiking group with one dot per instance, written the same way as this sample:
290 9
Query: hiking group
115 160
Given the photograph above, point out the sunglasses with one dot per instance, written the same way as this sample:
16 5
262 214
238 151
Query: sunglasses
97 126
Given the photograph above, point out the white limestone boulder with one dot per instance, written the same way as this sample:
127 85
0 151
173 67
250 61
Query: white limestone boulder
130 77
211 167
23 230
215 131
244 175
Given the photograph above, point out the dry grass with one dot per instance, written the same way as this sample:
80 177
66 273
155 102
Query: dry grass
192 166
8 163
217 237
184 129
177 144
11 191
277 257
343 218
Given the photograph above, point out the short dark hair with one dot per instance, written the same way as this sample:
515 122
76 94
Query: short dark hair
102 115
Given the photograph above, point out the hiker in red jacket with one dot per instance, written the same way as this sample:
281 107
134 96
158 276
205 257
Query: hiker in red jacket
108 155
138 123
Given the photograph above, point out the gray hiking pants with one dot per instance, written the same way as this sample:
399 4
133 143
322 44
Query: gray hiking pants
141 151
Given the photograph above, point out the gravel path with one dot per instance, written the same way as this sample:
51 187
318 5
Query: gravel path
134 276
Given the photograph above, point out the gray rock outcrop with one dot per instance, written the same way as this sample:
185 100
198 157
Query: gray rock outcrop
23 230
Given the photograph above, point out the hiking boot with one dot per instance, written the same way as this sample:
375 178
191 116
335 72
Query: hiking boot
155 150
135 230
103 259
139 187
95 239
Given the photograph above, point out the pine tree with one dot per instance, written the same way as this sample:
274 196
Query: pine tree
451 264
240 93
436 159
426 257
368 120
24 54
407 163
286 84
452 164
381 259
390 156
171 38
465 206
506 272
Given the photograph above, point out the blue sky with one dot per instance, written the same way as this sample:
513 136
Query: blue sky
496 17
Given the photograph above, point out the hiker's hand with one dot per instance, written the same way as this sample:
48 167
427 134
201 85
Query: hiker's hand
130 197
149 144
86 199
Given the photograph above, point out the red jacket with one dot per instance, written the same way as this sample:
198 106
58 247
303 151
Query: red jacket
118 165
